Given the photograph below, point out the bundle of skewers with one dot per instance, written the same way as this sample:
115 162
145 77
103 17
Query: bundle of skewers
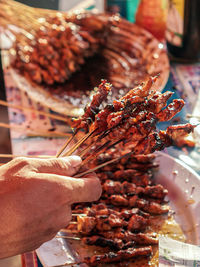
129 122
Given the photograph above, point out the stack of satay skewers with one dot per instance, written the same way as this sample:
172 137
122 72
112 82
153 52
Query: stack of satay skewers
129 122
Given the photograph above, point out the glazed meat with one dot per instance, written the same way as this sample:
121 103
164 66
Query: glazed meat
130 122
121 255
93 108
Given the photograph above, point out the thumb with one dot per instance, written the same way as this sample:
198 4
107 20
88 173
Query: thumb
85 189
67 166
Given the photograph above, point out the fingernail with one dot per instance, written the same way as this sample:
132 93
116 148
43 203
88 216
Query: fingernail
74 160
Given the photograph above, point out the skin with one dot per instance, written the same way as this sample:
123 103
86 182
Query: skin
35 200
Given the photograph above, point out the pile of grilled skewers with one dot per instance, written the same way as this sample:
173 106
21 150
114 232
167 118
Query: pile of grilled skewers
129 122
121 221
53 45
118 141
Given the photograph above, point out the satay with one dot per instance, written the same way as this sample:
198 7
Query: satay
130 123
137 222
121 255
58 49
92 109
111 187
130 175
127 236
126 240
152 207
149 206
170 111
115 244
102 222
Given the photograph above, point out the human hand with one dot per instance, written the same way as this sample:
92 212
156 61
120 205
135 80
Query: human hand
35 200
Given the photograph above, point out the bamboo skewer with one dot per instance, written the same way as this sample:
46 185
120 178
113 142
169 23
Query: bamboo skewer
101 149
85 150
78 214
66 144
68 237
72 222
77 145
57 117
65 231
97 152
35 133
70 264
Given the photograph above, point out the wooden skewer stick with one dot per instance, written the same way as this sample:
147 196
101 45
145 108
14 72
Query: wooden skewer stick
70 264
78 214
101 149
66 144
53 116
72 222
102 165
96 152
35 133
65 230
80 142
68 237
85 150
69 231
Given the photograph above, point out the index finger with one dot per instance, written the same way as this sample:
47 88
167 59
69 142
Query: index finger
62 166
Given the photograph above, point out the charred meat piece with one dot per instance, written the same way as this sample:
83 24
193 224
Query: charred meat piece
115 244
86 224
93 108
137 222
169 112
131 175
118 200
152 207
127 236
156 191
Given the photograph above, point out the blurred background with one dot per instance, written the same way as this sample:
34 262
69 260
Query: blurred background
55 4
